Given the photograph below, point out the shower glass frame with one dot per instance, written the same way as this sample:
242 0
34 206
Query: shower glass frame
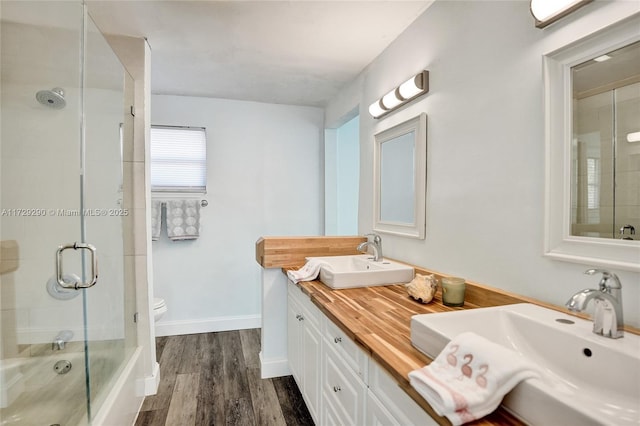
61 180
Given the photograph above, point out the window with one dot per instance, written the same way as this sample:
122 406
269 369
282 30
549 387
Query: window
593 190
178 159
593 183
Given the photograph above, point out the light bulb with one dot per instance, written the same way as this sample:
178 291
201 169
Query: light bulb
391 100
411 87
602 58
633 137
376 110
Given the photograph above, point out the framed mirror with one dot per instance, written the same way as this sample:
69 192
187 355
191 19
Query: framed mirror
400 179
592 113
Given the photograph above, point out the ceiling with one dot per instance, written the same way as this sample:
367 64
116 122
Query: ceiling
295 52
620 68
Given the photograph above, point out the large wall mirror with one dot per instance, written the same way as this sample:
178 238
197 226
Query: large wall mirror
592 92
400 170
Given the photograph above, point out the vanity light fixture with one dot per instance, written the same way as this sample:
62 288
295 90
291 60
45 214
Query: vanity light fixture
412 88
549 11
602 58
633 137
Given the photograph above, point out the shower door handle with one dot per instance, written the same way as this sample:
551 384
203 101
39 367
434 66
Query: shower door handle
94 266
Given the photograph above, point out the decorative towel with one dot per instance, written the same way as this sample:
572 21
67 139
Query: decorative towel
308 272
156 218
470 377
183 219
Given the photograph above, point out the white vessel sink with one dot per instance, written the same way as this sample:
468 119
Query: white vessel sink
587 379
361 271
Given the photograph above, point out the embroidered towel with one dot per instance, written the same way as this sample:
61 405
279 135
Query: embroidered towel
308 272
470 377
156 217
183 219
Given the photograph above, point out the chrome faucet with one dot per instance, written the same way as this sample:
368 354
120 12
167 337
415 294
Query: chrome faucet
376 245
608 301
60 340
632 231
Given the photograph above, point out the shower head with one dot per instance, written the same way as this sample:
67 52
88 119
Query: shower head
53 98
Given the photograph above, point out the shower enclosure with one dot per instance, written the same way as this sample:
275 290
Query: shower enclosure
67 307
605 179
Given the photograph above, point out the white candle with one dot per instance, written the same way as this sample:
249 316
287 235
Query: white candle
453 291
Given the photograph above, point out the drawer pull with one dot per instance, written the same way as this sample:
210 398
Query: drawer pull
300 318
337 339
336 389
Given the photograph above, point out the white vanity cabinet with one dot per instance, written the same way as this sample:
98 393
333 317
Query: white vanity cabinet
339 381
304 345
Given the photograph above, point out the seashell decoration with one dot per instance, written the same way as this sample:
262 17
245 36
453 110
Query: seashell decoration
422 288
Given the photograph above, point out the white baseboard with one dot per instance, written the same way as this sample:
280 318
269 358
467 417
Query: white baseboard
207 325
274 368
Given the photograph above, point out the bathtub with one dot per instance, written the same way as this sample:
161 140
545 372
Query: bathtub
34 393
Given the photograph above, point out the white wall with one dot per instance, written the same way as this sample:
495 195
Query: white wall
331 181
348 167
341 177
264 178
485 177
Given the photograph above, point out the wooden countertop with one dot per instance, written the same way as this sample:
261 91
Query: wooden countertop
378 319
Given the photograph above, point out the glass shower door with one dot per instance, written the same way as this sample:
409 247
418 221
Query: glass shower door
63 118
605 157
607 167
626 222
42 368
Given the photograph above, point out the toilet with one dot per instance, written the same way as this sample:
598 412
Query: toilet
159 308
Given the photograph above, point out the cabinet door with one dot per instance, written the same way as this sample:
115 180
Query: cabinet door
312 346
376 414
330 413
294 339
304 345
395 401
343 388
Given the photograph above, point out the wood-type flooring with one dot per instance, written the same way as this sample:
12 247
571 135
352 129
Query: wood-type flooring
214 379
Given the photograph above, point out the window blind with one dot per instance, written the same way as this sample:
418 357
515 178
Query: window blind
593 184
178 159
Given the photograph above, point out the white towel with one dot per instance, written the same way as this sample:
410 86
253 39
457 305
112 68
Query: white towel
308 272
183 219
470 377
156 217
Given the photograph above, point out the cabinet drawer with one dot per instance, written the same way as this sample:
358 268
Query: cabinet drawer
356 358
343 390
400 405
310 312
